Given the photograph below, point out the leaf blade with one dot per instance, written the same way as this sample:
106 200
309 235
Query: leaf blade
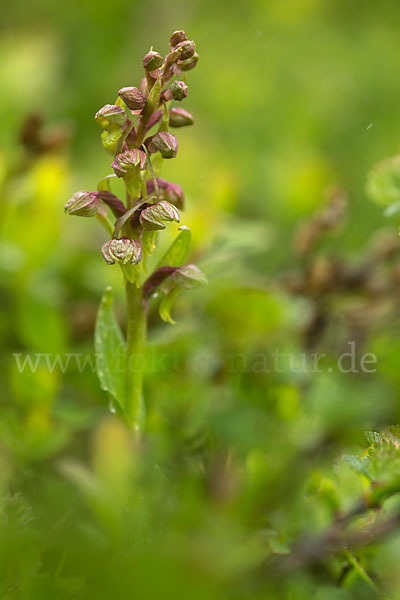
166 305
110 351
176 254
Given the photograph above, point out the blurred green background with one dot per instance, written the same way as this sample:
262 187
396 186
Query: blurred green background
290 98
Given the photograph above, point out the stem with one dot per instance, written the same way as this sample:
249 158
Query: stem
132 184
135 346
361 571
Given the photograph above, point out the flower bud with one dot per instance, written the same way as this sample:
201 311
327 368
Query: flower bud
128 160
172 192
187 49
122 250
110 114
170 60
177 37
132 97
153 216
189 277
83 204
179 117
189 63
178 90
164 142
152 60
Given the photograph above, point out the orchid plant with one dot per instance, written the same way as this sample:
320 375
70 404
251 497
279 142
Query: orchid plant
136 131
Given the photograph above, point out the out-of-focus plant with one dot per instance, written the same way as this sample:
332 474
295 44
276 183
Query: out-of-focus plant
383 184
136 132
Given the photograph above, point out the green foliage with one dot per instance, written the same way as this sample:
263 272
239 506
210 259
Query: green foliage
243 466
166 305
176 254
110 351
383 185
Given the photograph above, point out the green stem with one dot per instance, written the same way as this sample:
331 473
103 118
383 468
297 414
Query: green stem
132 183
361 571
135 357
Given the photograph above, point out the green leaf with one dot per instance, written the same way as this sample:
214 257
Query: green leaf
110 352
149 241
176 254
164 125
157 162
104 184
360 465
166 305
154 98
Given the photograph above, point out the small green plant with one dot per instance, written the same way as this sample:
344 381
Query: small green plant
136 132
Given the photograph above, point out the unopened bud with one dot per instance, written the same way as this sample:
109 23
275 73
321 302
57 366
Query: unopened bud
152 60
122 250
132 97
165 143
83 204
187 49
178 90
153 216
177 37
179 117
189 63
110 114
172 192
189 277
129 160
